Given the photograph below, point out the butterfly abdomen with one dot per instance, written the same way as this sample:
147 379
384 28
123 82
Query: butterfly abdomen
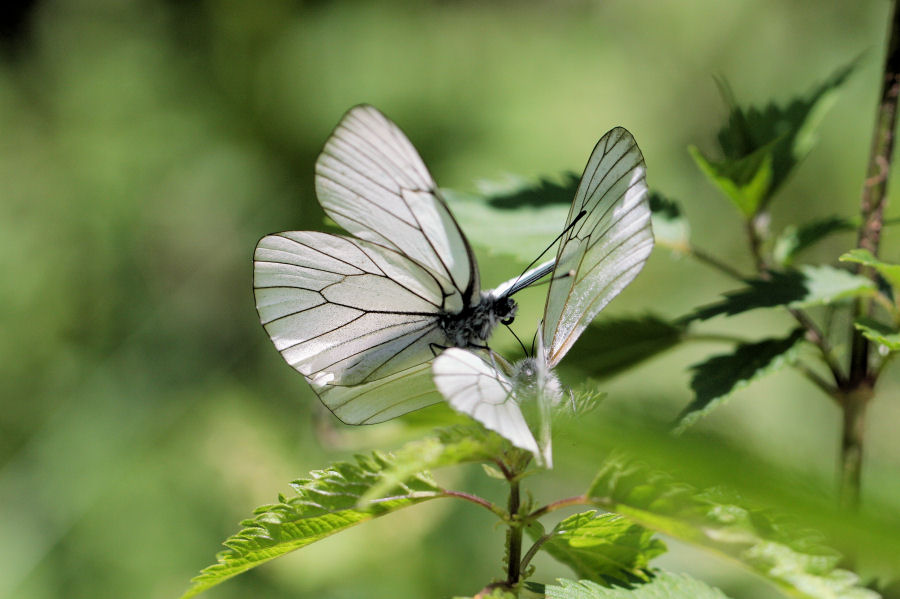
472 326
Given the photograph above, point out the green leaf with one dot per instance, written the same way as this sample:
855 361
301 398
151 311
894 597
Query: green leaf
452 445
745 181
879 333
580 401
610 346
518 224
718 377
325 503
670 227
890 272
769 544
601 547
795 239
802 288
663 585
789 132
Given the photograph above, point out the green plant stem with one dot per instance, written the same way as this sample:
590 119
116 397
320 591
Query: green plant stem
819 382
751 226
874 196
514 536
532 551
710 260
476 500
568 501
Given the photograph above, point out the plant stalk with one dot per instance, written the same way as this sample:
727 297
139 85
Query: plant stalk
861 380
514 536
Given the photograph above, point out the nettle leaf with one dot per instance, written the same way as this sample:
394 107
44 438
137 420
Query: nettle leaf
771 545
325 504
452 445
718 377
795 239
515 223
670 226
787 133
879 332
663 585
890 272
601 547
746 181
610 346
802 288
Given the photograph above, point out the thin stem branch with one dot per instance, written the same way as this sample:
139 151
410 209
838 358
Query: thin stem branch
568 501
819 382
752 230
815 335
532 551
710 260
476 500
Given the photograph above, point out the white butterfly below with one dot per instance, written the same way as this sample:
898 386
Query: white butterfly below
361 316
607 240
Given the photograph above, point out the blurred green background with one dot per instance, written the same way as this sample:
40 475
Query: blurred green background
146 145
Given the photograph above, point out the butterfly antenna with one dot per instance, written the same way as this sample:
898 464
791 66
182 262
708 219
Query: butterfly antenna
515 286
534 340
522 345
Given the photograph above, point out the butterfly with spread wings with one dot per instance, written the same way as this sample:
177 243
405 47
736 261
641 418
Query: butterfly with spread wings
605 244
361 316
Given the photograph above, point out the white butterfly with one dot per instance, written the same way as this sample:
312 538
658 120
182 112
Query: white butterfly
361 316
600 253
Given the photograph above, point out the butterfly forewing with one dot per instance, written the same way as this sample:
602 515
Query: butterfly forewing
343 311
371 181
606 248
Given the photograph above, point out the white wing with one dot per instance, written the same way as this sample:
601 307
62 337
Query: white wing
342 311
606 248
474 387
383 399
371 181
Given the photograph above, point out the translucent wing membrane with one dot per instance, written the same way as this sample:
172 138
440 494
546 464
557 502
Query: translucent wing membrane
346 312
371 181
383 399
606 248
475 387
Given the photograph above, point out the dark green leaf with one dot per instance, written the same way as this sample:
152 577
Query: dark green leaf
670 227
611 346
663 585
325 503
601 547
879 333
796 239
767 543
715 379
789 131
805 287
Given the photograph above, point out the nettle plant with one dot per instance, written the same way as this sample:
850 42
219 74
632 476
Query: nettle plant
392 319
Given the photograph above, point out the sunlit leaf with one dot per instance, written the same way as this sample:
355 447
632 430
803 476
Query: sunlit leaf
670 227
879 333
890 272
601 547
719 376
452 445
520 226
616 344
764 542
795 239
663 585
745 181
801 288
324 504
